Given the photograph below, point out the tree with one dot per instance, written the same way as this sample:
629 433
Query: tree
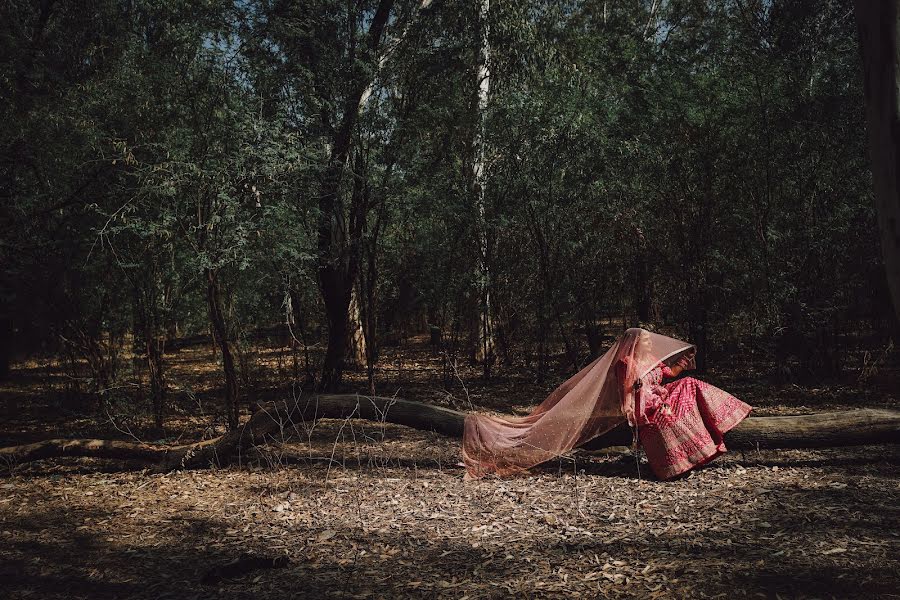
484 336
877 22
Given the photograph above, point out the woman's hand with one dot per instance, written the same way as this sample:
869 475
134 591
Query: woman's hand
685 363
691 358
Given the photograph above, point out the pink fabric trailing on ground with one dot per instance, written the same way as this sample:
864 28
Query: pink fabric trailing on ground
681 424
588 404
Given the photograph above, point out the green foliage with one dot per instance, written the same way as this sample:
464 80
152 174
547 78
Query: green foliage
696 165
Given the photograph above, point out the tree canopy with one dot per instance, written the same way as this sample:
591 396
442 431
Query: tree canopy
171 169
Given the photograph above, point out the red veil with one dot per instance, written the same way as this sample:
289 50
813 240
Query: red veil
588 404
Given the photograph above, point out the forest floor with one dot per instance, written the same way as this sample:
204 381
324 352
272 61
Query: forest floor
368 510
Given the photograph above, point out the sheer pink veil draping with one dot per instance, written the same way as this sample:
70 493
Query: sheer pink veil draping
588 404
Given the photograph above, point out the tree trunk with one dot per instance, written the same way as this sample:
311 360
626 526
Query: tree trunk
153 349
356 341
6 347
593 336
484 352
220 335
336 311
150 340
155 367
877 24
368 283
275 420
338 255
297 327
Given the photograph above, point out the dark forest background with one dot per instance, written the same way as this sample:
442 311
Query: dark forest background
515 184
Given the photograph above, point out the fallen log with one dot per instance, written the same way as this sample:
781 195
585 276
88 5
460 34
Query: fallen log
278 420
273 421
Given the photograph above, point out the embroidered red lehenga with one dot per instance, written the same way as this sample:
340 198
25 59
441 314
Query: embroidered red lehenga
680 424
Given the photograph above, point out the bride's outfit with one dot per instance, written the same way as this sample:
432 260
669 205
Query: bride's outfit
680 424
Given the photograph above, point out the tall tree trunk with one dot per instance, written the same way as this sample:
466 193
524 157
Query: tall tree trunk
156 340
369 326
697 331
542 345
642 288
150 343
333 281
592 332
485 348
155 368
338 250
878 25
368 282
220 334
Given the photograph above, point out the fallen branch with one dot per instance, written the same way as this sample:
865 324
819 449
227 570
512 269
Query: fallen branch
848 428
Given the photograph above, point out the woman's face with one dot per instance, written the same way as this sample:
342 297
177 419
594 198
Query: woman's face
644 344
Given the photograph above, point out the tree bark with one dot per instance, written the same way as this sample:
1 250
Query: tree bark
148 332
368 283
356 341
220 335
275 421
877 23
339 253
484 352
155 367
338 249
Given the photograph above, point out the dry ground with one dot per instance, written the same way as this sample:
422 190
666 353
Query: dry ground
362 510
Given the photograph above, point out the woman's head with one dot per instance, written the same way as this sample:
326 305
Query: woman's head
641 340
644 343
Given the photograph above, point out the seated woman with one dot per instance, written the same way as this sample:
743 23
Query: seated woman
680 424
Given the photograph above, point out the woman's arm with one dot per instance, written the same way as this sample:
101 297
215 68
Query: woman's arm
685 363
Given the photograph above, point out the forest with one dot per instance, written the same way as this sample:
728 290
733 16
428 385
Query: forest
262 260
